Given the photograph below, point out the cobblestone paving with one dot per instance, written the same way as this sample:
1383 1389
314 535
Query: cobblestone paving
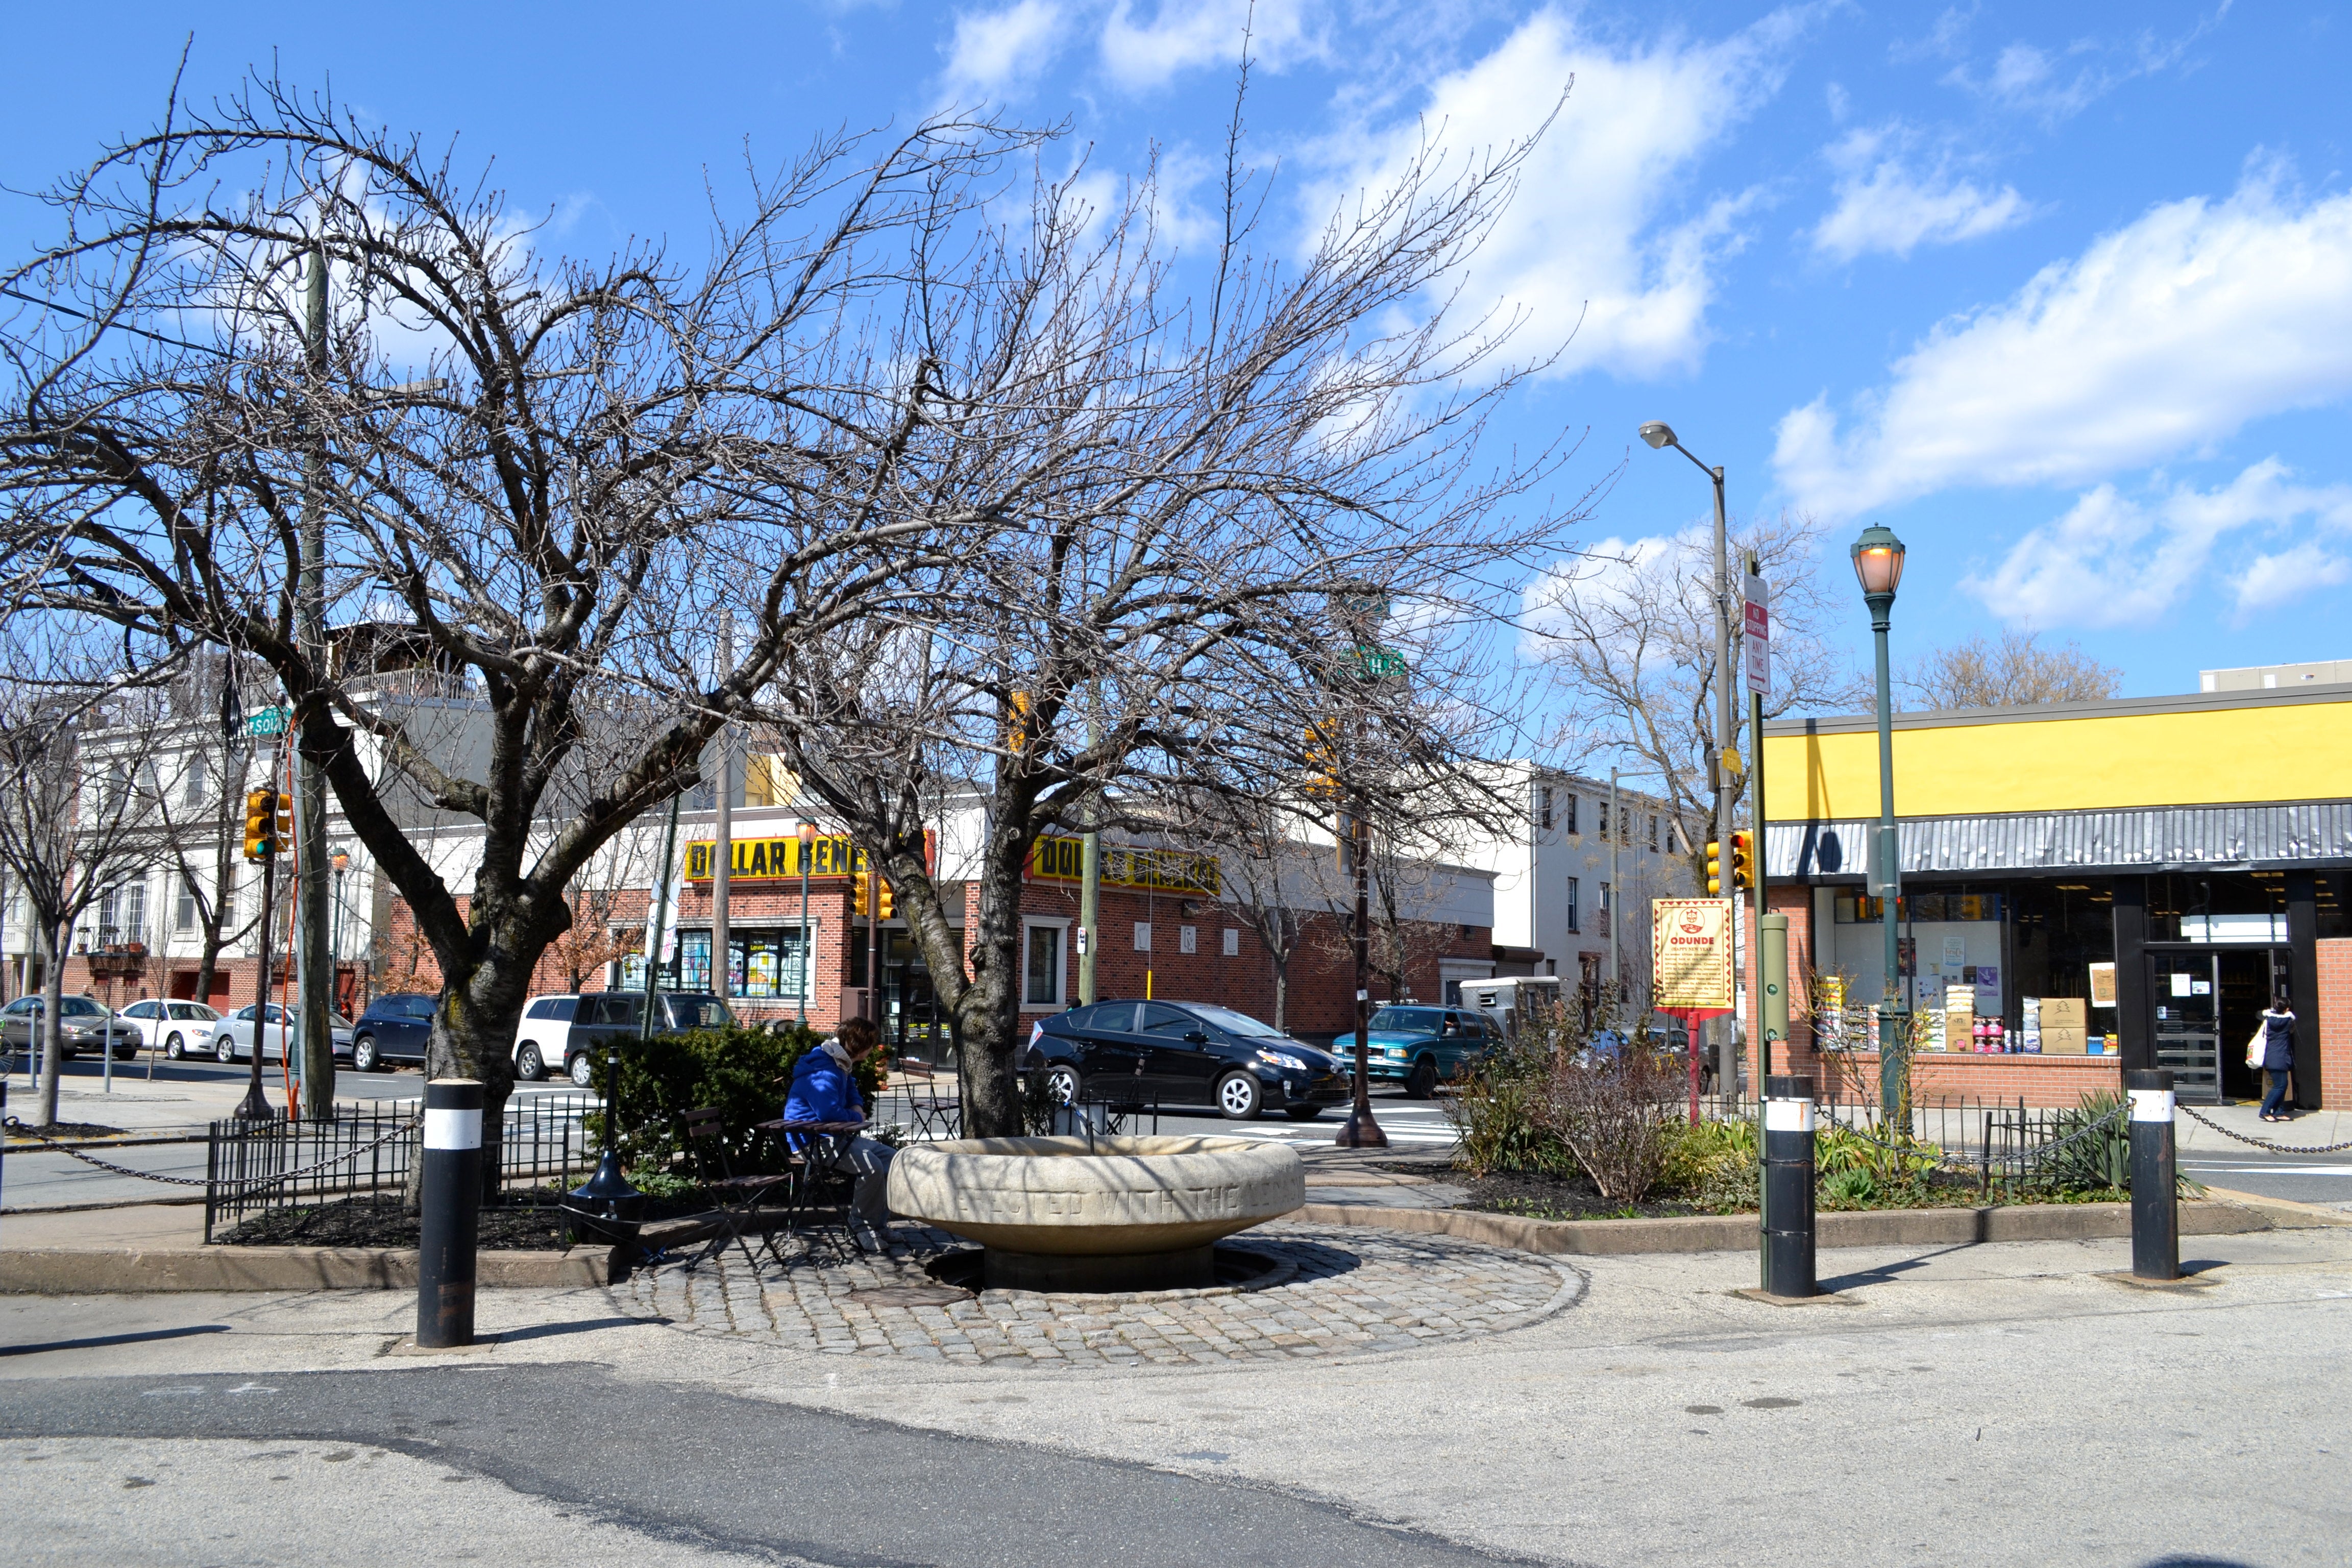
1346 1292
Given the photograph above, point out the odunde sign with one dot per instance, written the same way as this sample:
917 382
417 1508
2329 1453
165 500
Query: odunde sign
1160 870
1690 954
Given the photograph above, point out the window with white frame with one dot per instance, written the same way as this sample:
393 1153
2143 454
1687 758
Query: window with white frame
1233 943
1567 812
1574 913
1188 938
1654 831
1543 807
1042 966
1143 936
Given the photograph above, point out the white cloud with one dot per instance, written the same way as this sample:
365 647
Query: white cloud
2056 84
2273 580
2168 334
1884 205
2112 561
1600 244
1183 34
996 53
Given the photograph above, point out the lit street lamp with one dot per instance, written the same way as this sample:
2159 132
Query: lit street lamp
1661 435
1878 563
808 843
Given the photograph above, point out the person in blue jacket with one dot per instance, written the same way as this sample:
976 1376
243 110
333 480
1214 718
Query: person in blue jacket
2278 1058
825 1089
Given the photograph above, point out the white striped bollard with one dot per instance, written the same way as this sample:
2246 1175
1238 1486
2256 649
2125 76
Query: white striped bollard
2154 1180
453 1202
1788 1216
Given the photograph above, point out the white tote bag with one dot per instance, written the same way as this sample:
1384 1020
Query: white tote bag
2254 1045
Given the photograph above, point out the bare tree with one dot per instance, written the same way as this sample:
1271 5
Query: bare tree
68 830
279 355
1628 635
2016 671
198 772
1192 482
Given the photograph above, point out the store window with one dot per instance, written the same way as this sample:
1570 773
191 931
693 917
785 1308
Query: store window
762 962
1042 968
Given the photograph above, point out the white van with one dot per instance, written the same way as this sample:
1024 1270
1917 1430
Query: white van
1513 1001
543 1042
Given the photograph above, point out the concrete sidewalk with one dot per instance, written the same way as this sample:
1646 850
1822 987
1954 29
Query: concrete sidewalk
1991 1403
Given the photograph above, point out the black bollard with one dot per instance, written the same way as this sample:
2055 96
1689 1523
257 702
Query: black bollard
1787 1217
2155 1182
453 1202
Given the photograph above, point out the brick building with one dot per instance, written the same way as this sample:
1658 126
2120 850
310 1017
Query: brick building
2087 887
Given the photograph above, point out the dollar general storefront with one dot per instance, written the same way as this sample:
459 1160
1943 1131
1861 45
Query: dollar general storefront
2088 887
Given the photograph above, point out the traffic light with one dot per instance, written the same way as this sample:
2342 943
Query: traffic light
1714 869
285 821
1743 860
262 832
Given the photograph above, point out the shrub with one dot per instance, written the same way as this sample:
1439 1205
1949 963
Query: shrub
1617 1117
744 1072
2099 1162
1715 1165
1499 1111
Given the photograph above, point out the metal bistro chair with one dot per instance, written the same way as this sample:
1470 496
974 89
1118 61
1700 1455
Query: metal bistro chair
811 1164
936 1115
740 1197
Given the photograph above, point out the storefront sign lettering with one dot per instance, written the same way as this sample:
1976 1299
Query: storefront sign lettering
1159 870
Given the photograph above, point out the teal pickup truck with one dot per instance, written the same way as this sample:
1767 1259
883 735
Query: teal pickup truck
1422 1046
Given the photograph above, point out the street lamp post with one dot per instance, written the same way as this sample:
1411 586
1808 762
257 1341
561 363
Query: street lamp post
1878 564
341 862
1660 436
808 843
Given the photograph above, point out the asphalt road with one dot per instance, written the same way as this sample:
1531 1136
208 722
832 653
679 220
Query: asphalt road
750 1477
2303 1179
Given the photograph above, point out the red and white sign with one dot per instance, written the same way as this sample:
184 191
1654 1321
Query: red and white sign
1756 637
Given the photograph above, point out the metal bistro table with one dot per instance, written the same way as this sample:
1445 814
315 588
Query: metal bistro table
822 1142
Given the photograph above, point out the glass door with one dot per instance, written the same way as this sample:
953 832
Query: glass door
2185 990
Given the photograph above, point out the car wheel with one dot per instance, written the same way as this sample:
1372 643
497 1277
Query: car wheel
225 1049
583 1070
530 1066
1239 1097
1420 1083
1062 1083
363 1057
174 1049
1302 1113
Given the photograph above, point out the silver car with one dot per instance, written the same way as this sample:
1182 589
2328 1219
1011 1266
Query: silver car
233 1036
87 1026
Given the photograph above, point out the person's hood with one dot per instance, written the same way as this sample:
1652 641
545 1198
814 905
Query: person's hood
827 1053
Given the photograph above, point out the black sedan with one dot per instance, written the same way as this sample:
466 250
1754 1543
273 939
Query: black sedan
1181 1053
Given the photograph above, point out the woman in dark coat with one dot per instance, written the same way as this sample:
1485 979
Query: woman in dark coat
2278 1057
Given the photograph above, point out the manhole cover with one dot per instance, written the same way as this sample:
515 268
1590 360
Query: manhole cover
910 1294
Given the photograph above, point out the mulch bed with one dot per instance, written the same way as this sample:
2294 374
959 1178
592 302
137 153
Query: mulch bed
66 1132
531 1222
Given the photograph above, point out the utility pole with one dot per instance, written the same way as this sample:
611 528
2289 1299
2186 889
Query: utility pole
314 968
723 847
1089 892
1616 899
1726 797
1761 1033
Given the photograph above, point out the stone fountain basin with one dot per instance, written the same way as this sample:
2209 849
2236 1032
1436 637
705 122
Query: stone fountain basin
1075 1197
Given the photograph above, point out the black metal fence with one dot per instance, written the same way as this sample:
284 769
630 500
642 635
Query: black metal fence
2007 1141
370 1146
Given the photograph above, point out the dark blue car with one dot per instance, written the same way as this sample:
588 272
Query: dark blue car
393 1030
1183 1053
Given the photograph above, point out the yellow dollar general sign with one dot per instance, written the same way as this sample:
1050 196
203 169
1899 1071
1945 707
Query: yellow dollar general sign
1161 870
758 859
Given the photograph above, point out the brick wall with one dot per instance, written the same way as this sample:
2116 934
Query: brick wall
2335 1023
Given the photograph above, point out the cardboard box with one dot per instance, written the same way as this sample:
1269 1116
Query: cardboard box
2064 1013
2063 1042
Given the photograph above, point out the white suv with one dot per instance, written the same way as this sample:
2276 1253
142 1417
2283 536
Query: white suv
543 1041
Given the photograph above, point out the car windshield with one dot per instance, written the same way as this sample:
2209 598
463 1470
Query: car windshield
193 1010
1408 1020
698 1013
1234 1023
78 1008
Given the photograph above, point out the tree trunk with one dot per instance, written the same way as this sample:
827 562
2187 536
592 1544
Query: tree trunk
52 1047
473 1037
208 964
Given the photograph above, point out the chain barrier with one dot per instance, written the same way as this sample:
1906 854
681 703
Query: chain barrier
2261 1143
15 1125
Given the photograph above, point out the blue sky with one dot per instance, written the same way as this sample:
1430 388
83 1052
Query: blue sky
2061 294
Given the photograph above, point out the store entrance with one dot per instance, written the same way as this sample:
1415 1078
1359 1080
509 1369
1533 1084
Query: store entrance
2207 1002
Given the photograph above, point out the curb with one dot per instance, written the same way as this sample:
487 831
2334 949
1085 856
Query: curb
1737 1233
2285 1212
60 1271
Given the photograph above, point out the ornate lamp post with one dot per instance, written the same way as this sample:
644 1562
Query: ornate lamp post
1878 564
808 948
340 860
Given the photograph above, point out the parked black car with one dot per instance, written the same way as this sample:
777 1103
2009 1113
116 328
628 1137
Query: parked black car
1181 1053
391 1032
